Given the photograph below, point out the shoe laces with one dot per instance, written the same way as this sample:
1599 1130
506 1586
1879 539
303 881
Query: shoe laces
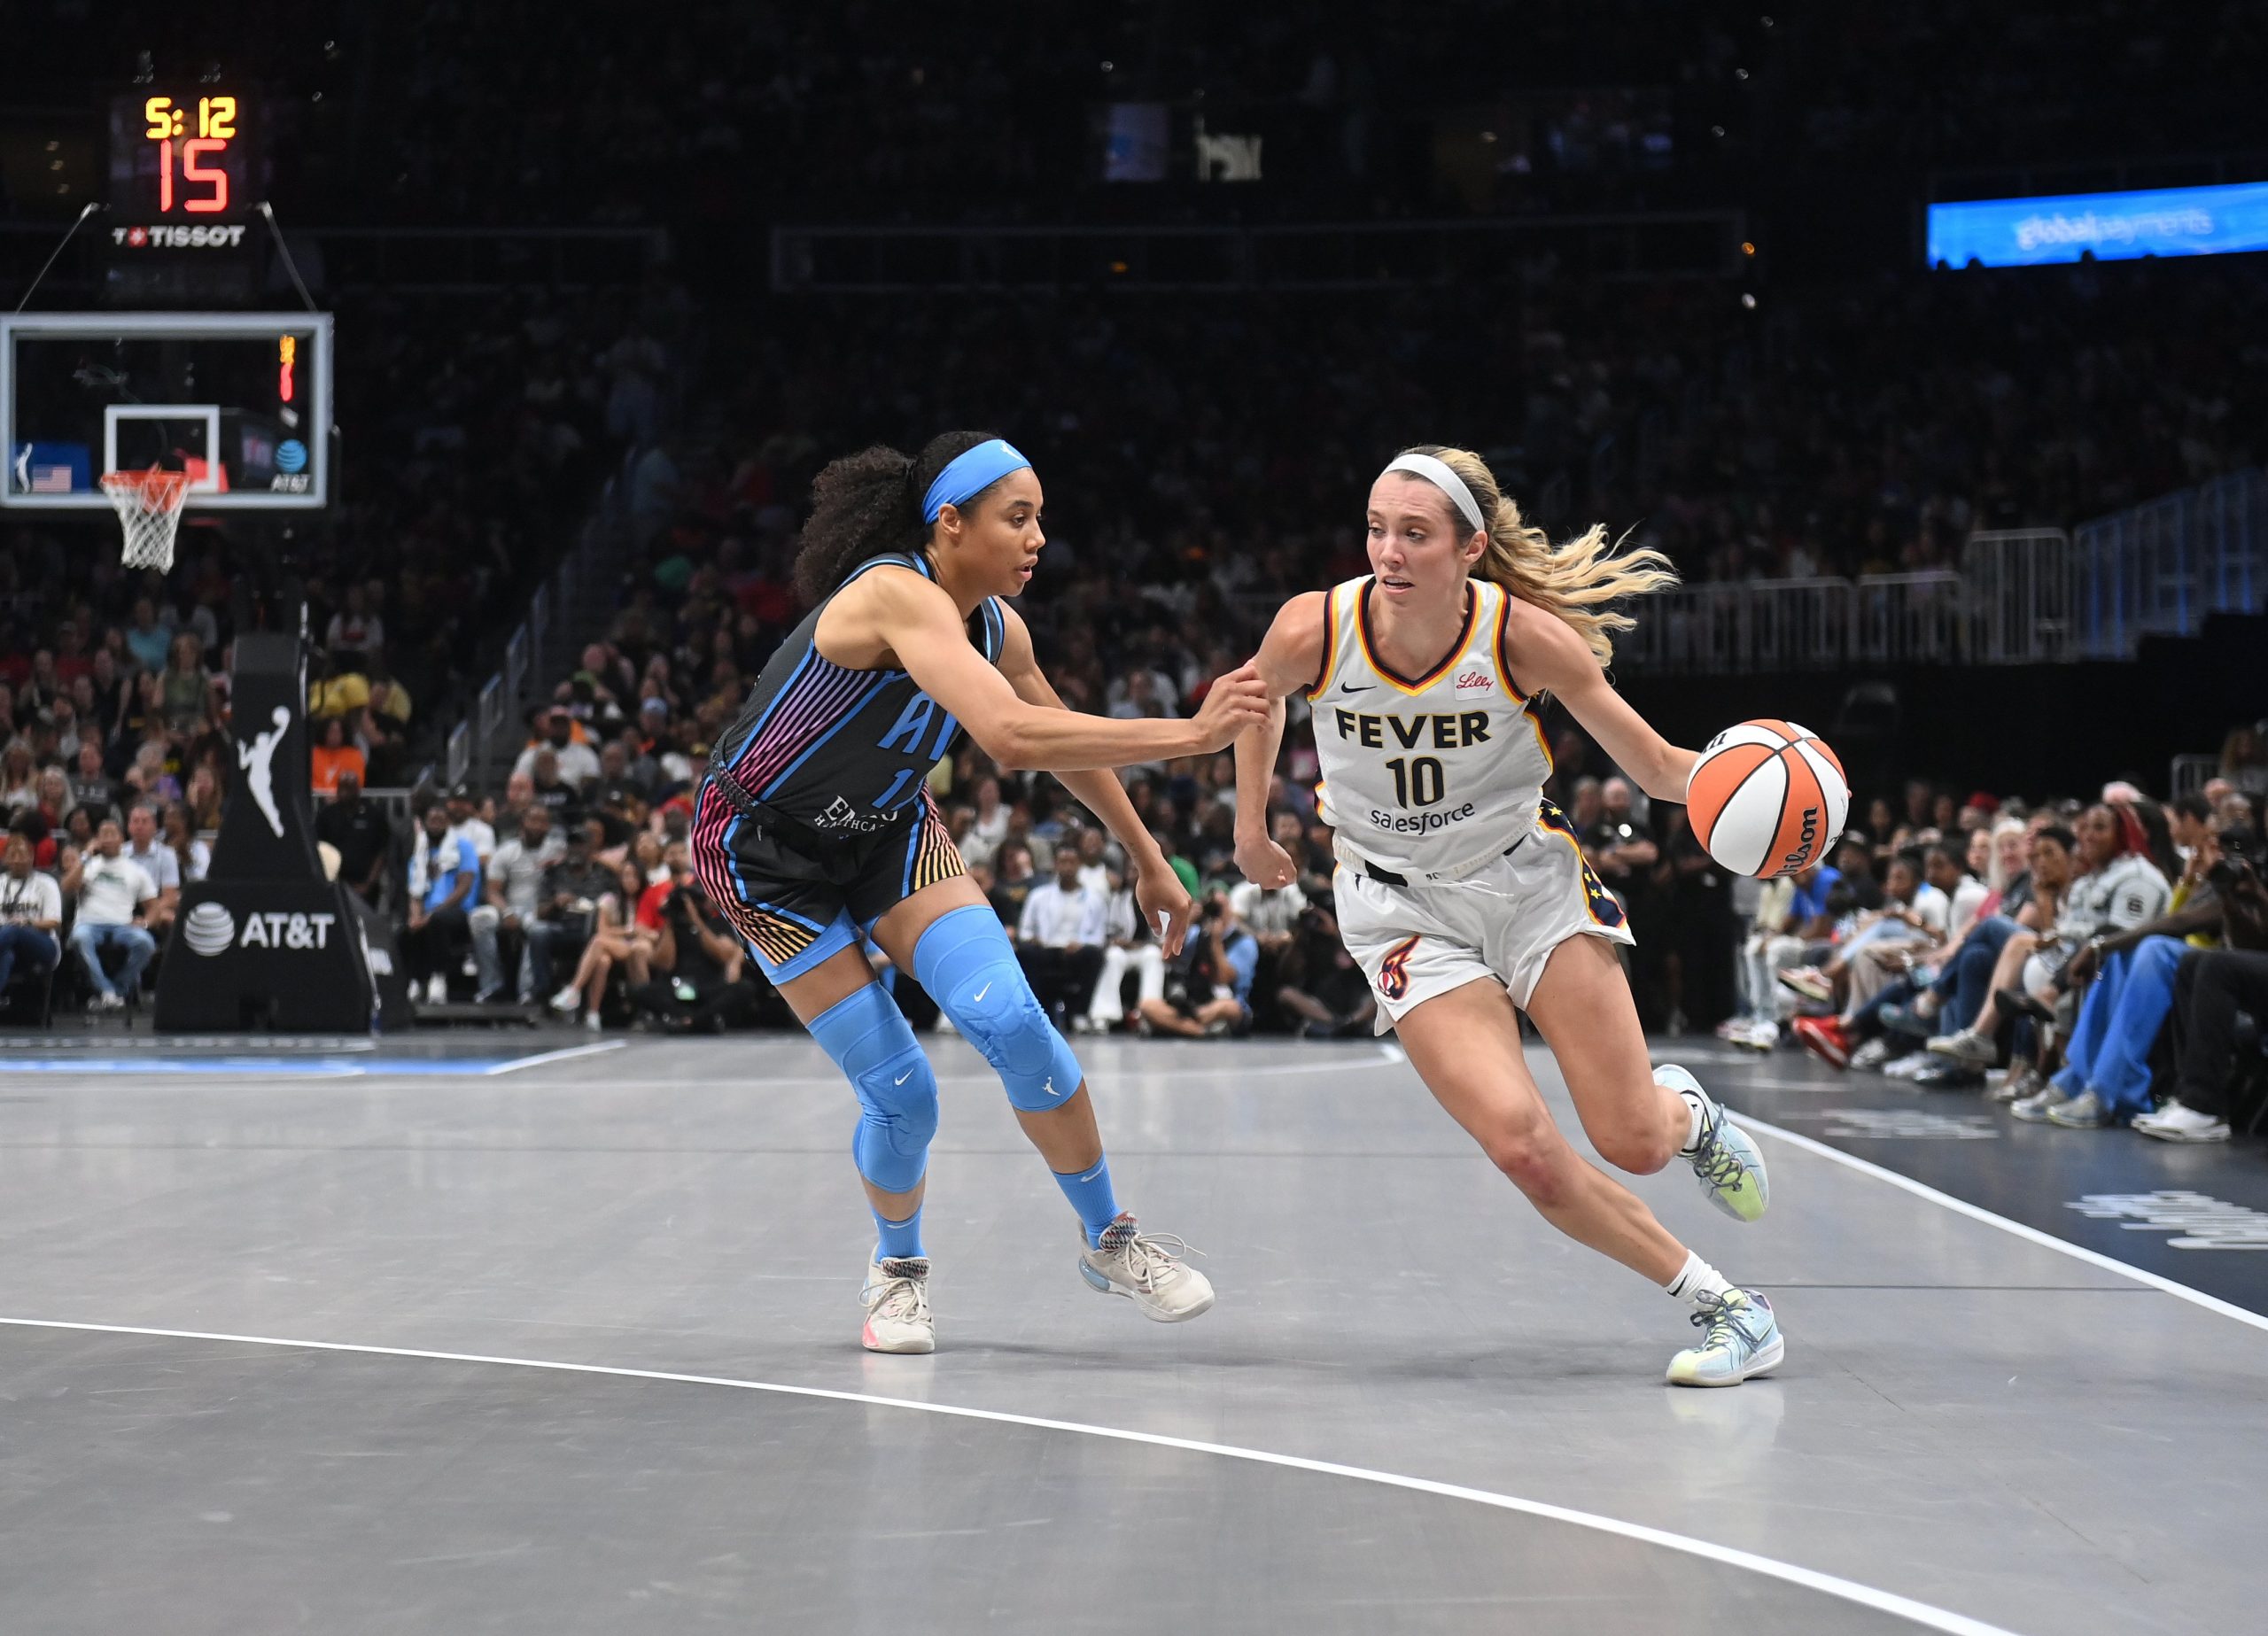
1153 1260
1719 1318
898 1295
1715 1163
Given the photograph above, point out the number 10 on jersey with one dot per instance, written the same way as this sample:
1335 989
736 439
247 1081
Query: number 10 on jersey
1418 781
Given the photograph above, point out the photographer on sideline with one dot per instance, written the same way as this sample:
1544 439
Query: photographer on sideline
1208 989
700 984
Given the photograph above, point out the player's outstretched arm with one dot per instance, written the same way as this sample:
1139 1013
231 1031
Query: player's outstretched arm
1289 659
918 622
1163 900
1553 657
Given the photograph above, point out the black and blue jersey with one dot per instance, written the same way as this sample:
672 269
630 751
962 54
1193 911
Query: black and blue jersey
839 750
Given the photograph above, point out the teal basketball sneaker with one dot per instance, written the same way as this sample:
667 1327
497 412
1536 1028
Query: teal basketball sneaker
1725 1158
1740 1338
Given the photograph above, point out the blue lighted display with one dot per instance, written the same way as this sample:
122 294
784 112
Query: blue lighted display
2109 226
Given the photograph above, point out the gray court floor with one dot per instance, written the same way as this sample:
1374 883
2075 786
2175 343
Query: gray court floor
1414 1409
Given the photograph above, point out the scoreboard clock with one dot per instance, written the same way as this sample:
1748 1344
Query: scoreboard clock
178 164
184 179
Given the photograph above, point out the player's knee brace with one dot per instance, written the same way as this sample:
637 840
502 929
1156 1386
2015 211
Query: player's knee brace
967 964
867 1036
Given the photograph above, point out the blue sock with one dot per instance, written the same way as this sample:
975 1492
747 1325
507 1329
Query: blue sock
1089 1191
898 1239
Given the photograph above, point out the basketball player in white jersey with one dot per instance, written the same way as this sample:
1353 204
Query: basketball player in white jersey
1462 893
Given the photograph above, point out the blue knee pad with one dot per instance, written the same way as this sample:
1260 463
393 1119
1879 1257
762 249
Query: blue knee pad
967 964
867 1036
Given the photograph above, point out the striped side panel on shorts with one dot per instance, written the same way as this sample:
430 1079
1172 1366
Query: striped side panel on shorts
931 856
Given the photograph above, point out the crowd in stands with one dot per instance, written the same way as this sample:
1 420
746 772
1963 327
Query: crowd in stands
2086 962
1840 429
2091 963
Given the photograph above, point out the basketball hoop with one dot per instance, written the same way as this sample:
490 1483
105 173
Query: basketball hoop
148 504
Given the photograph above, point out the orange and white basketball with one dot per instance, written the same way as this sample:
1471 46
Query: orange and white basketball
1768 798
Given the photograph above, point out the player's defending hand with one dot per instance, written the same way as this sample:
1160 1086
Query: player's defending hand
1237 701
1265 863
1162 897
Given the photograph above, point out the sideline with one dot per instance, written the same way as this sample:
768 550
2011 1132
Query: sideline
1977 1212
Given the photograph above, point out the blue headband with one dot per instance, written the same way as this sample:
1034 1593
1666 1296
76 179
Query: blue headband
969 473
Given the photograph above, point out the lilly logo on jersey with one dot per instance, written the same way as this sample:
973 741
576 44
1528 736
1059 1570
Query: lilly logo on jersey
1474 679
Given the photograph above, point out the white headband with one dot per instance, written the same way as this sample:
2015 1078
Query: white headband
1439 473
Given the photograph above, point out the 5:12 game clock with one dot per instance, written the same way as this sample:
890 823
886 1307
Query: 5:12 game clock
178 163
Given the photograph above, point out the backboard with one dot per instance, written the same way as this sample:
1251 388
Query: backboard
239 400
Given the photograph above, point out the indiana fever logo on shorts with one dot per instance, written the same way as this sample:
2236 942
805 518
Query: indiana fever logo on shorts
1394 971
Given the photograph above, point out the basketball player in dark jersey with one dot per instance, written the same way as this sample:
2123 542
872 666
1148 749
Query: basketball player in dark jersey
815 826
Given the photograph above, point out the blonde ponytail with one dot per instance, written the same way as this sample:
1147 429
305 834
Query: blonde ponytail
1579 582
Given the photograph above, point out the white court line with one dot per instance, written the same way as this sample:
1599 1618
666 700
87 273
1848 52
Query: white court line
1977 1212
1809 1579
1320 1065
566 1055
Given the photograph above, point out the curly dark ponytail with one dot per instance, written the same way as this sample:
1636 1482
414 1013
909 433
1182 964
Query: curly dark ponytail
869 503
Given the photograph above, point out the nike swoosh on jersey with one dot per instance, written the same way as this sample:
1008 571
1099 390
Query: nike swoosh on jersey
980 994
902 1078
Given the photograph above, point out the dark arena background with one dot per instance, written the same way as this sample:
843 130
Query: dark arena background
422 1213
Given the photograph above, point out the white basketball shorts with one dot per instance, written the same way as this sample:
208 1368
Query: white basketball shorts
1500 920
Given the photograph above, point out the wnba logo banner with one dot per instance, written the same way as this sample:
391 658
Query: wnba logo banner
265 940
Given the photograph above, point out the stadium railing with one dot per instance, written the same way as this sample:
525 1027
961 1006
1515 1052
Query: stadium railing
2020 596
2158 569
563 612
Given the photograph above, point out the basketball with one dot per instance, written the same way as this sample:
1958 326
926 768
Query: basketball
1768 798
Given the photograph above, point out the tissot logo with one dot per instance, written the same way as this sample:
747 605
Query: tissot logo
166 237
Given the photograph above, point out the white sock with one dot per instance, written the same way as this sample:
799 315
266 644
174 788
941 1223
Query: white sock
1697 1110
1696 1279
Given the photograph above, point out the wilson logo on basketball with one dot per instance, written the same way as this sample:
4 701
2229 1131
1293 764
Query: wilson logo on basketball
1474 678
1806 843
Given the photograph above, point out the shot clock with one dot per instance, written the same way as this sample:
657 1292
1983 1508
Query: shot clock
184 177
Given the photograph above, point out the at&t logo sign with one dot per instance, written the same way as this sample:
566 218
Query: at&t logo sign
208 929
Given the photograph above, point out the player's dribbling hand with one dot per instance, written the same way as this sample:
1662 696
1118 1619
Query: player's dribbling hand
1265 863
1236 700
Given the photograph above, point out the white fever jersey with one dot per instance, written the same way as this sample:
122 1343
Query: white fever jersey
1425 775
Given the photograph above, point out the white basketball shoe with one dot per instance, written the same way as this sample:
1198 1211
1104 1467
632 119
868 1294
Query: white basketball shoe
1147 1270
898 1306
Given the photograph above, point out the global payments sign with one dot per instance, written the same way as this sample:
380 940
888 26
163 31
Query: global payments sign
2109 226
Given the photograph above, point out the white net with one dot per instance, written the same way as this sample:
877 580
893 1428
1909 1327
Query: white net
148 504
